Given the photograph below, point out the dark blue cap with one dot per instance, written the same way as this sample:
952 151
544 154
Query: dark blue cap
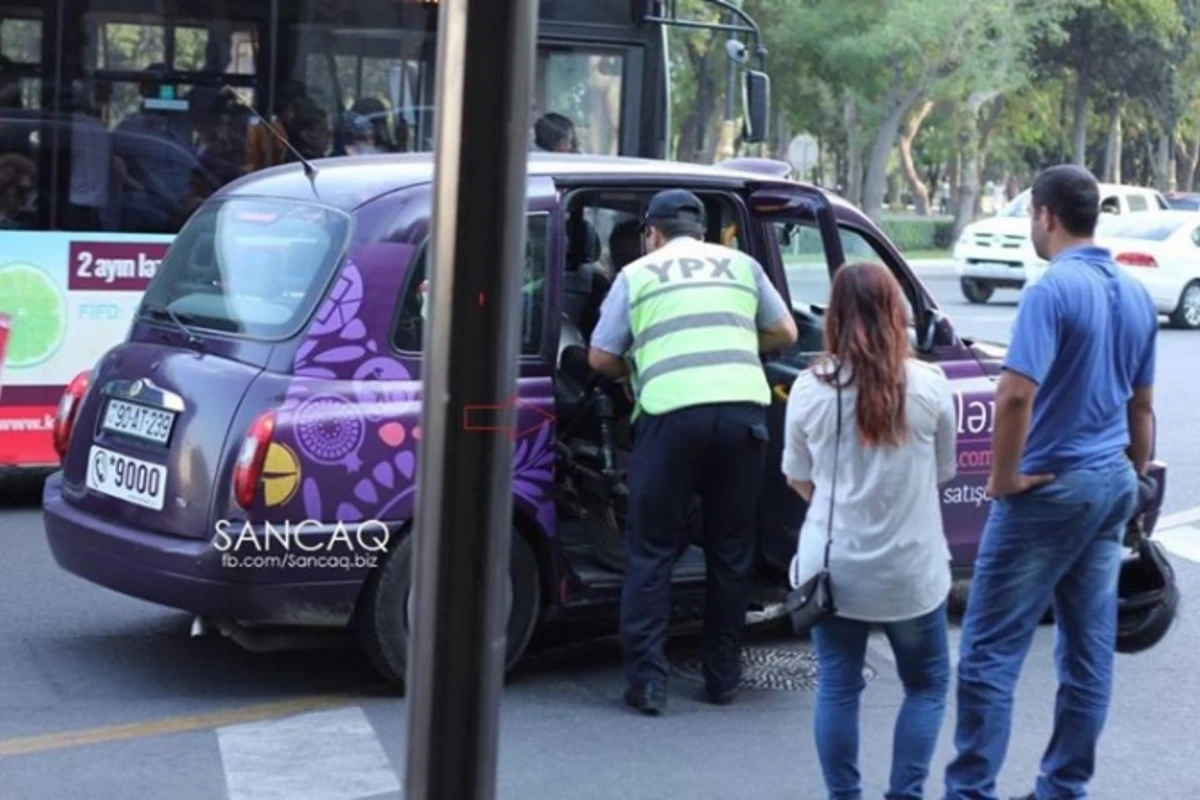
675 204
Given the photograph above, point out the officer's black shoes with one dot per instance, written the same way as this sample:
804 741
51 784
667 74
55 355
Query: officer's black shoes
721 697
648 698
1030 796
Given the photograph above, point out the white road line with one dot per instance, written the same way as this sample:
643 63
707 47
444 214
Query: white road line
1185 517
1181 540
324 755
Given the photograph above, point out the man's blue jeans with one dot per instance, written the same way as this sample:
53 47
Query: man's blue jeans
923 661
1060 543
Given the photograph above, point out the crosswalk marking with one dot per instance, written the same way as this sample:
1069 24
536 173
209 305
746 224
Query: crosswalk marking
325 755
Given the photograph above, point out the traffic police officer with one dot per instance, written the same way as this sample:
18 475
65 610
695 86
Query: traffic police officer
692 318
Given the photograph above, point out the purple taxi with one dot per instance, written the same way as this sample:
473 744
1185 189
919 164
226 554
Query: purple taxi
249 453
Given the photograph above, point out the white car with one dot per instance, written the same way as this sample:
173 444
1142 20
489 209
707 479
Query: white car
996 253
1161 250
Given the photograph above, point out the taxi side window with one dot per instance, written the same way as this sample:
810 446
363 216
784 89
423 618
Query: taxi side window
408 335
803 257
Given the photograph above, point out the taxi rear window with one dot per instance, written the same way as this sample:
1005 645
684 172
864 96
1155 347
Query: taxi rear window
254 268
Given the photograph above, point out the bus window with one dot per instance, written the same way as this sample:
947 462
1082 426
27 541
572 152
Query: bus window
585 86
155 111
373 59
20 129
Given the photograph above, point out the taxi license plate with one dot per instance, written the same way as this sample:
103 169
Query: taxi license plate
126 478
139 421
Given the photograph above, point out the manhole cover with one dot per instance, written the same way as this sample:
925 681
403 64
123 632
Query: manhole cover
780 669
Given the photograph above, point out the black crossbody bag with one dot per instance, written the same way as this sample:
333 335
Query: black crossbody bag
812 601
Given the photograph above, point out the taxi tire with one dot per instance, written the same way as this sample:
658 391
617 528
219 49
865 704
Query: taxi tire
382 618
977 291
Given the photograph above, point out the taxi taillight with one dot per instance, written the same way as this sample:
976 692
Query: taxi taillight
68 409
248 470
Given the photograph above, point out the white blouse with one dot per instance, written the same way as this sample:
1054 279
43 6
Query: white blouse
889 560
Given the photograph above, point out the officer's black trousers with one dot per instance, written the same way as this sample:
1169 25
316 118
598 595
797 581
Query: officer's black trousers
716 451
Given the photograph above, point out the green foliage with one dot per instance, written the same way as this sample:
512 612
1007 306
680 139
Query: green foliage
911 235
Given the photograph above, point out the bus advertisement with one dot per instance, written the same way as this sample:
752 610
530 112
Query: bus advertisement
116 124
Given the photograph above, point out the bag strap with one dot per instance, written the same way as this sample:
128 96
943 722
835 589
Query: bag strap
837 445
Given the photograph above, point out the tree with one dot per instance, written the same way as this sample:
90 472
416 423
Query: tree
887 57
1094 31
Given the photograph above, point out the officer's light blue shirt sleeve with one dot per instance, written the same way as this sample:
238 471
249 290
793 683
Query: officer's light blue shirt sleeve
1035 333
771 307
613 333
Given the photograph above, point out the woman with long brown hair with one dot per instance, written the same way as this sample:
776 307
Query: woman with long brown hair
870 434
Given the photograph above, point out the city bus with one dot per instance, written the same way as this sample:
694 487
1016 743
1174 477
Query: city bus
119 117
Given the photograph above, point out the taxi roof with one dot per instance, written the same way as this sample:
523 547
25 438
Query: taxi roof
349 182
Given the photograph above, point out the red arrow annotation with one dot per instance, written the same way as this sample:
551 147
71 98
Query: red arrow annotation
485 418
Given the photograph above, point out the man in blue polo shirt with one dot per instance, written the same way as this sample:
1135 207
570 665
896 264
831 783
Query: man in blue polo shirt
1074 422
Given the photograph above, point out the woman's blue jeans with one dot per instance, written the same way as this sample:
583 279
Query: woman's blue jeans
923 662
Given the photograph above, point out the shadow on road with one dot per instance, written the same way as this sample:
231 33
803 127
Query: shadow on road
21 489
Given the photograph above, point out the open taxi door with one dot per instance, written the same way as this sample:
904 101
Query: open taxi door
780 214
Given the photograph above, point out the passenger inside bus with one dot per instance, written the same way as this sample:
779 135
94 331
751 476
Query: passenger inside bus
93 166
555 133
18 182
155 142
357 135
264 149
309 130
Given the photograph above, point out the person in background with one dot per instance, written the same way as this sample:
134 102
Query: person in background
357 135
263 149
693 318
309 130
888 561
554 133
18 188
155 144
1074 426
624 244
376 112
92 163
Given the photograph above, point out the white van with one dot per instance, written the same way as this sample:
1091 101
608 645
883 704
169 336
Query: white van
996 253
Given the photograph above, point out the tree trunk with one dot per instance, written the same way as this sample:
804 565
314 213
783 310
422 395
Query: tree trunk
854 167
1190 152
986 128
1079 130
892 197
1162 170
1112 147
694 129
896 108
976 134
918 187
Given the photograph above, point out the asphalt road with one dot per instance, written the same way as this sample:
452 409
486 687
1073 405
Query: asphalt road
104 697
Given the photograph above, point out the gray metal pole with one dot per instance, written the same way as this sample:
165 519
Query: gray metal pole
464 503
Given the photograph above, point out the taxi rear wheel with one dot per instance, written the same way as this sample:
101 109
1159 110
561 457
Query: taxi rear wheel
387 606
